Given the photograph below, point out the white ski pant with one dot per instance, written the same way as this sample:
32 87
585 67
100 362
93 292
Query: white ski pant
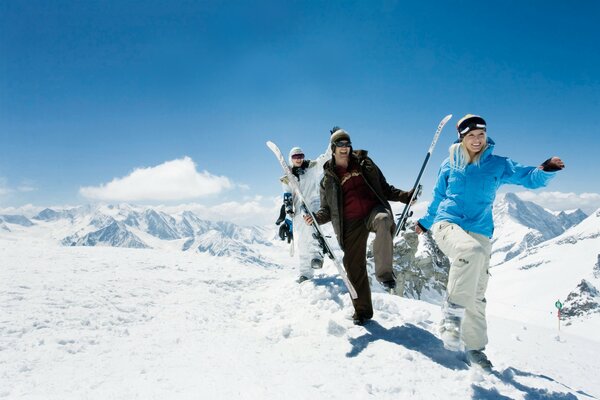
306 245
469 254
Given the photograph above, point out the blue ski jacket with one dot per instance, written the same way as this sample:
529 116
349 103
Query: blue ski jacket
465 197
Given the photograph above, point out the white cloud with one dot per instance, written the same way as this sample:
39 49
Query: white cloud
560 201
174 180
6 189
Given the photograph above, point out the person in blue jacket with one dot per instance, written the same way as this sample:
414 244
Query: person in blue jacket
461 222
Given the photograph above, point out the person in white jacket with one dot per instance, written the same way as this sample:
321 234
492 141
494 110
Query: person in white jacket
309 174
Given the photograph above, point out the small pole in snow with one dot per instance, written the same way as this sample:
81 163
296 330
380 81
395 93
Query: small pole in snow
559 306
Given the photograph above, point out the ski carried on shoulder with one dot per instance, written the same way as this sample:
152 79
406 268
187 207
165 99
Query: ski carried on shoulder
318 233
406 213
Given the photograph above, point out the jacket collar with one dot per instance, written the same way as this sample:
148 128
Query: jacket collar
297 171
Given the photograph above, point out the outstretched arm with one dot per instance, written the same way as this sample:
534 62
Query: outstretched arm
531 177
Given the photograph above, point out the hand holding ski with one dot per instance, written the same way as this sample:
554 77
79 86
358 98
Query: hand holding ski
318 233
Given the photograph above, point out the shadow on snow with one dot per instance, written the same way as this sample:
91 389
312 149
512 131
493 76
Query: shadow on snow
411 337
414 338
334 284
508 377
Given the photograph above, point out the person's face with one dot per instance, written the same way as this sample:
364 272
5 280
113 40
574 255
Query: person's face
342 151
297 160
475 141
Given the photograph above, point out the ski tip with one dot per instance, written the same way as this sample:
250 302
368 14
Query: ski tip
447 117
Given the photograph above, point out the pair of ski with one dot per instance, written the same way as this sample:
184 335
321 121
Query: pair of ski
318 233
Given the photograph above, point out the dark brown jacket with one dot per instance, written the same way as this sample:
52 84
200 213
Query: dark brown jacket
331 192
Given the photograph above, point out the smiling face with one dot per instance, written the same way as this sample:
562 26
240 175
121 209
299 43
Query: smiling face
297 160
475 141
342 152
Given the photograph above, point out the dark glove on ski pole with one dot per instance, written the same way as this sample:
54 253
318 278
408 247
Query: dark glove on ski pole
281 215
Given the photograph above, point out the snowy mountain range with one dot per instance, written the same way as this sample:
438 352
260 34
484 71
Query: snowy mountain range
521 224
129 226
13 219
523 228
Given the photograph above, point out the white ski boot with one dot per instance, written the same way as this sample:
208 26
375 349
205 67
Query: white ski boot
450 327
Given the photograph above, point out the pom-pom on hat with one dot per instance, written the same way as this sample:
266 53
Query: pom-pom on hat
468 123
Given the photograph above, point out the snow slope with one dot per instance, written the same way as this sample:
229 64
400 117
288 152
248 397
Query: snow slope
117 323
527 287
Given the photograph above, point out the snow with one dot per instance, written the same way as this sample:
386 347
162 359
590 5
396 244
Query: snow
526 288
117 323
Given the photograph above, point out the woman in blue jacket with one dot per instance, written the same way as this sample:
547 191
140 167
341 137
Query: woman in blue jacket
460 218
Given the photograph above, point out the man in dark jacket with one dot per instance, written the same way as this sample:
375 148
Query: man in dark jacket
354 197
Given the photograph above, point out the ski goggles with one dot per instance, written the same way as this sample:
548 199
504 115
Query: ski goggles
470 124
298 157
343 143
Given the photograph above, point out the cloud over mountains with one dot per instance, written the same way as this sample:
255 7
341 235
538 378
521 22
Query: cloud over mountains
174 180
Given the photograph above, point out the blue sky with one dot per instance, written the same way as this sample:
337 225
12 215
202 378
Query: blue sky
128 92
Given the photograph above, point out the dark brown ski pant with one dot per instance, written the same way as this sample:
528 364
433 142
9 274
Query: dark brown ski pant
356 233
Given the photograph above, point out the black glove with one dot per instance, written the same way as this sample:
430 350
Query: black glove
422 227
552 164
283 231
281 215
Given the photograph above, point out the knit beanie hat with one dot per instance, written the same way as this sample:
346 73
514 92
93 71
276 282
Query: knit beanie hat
468 123
339 134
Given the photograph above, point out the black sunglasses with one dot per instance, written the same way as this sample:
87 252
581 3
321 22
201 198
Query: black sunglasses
343 143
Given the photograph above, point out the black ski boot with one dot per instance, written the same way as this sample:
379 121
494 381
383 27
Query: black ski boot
360 320
477 358
389 285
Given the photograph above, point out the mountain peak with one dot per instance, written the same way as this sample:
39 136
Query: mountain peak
521 224
582 301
